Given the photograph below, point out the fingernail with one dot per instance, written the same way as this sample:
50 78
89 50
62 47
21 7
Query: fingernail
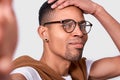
60 7
53 6
49 1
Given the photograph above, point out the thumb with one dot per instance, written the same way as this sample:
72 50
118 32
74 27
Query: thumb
7 2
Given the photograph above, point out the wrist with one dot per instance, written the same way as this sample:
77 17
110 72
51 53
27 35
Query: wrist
98 10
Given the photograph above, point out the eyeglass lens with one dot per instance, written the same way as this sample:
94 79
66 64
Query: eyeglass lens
69 26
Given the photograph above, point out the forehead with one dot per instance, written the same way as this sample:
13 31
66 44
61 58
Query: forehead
70 12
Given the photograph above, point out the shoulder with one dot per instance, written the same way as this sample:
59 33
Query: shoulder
21 58
24 67
23 61
27 72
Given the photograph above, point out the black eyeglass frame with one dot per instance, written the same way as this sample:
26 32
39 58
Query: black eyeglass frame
79 23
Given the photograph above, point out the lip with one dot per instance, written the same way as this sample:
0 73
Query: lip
77 45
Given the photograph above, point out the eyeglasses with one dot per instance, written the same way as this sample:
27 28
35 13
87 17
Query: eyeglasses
70 24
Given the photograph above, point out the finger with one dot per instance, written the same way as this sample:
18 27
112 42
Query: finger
8 30
51 1
5 68
65 4
57 3
6 2
5 65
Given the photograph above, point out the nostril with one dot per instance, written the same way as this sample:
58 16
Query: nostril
80 36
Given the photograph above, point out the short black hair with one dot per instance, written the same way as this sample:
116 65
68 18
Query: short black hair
45 12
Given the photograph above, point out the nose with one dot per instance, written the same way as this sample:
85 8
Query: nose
77 32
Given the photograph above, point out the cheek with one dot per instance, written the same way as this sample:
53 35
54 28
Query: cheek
57 42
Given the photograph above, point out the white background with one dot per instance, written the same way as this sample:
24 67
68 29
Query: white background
99 44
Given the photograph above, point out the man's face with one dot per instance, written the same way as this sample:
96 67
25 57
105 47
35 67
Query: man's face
68 46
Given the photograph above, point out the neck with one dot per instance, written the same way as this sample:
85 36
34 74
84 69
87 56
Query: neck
57 63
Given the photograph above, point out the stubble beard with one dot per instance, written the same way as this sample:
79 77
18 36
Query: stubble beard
72 55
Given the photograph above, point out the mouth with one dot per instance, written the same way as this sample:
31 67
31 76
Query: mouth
77 45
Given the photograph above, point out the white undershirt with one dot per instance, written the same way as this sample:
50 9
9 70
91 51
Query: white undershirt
31 74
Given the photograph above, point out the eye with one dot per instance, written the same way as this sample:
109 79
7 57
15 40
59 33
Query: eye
68 26
85 26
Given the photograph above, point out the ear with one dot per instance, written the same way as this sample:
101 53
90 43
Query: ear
43 32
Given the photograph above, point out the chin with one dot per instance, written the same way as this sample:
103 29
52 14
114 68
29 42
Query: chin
73 54
74 57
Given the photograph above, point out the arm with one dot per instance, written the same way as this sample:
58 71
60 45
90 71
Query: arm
107 67
17 76
8 36
110 24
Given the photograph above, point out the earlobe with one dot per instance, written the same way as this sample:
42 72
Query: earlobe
42 31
